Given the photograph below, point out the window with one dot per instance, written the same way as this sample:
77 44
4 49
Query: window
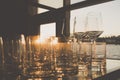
47 30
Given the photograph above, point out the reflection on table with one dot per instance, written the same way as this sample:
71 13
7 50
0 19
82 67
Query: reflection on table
82 75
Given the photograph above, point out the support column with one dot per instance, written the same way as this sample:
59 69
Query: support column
32 29
67 19
63 23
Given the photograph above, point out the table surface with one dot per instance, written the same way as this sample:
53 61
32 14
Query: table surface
112 73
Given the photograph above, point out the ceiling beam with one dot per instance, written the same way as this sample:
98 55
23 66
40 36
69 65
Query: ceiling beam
51 16
85 3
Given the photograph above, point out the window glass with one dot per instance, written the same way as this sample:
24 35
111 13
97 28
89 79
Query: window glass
47 30
50 3
76 1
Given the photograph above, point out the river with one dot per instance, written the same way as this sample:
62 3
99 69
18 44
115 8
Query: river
113 57
113 51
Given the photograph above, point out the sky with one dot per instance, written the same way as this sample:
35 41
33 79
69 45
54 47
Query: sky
110 12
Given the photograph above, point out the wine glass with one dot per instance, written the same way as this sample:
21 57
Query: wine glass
2 61
17 52
66 59
40 57
93 26
78 28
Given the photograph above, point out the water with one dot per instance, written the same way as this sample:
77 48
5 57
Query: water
113 51
113 57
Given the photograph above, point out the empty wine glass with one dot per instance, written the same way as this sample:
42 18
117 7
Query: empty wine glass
2 61
98 65
17 51
66 59
40 57
93 26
